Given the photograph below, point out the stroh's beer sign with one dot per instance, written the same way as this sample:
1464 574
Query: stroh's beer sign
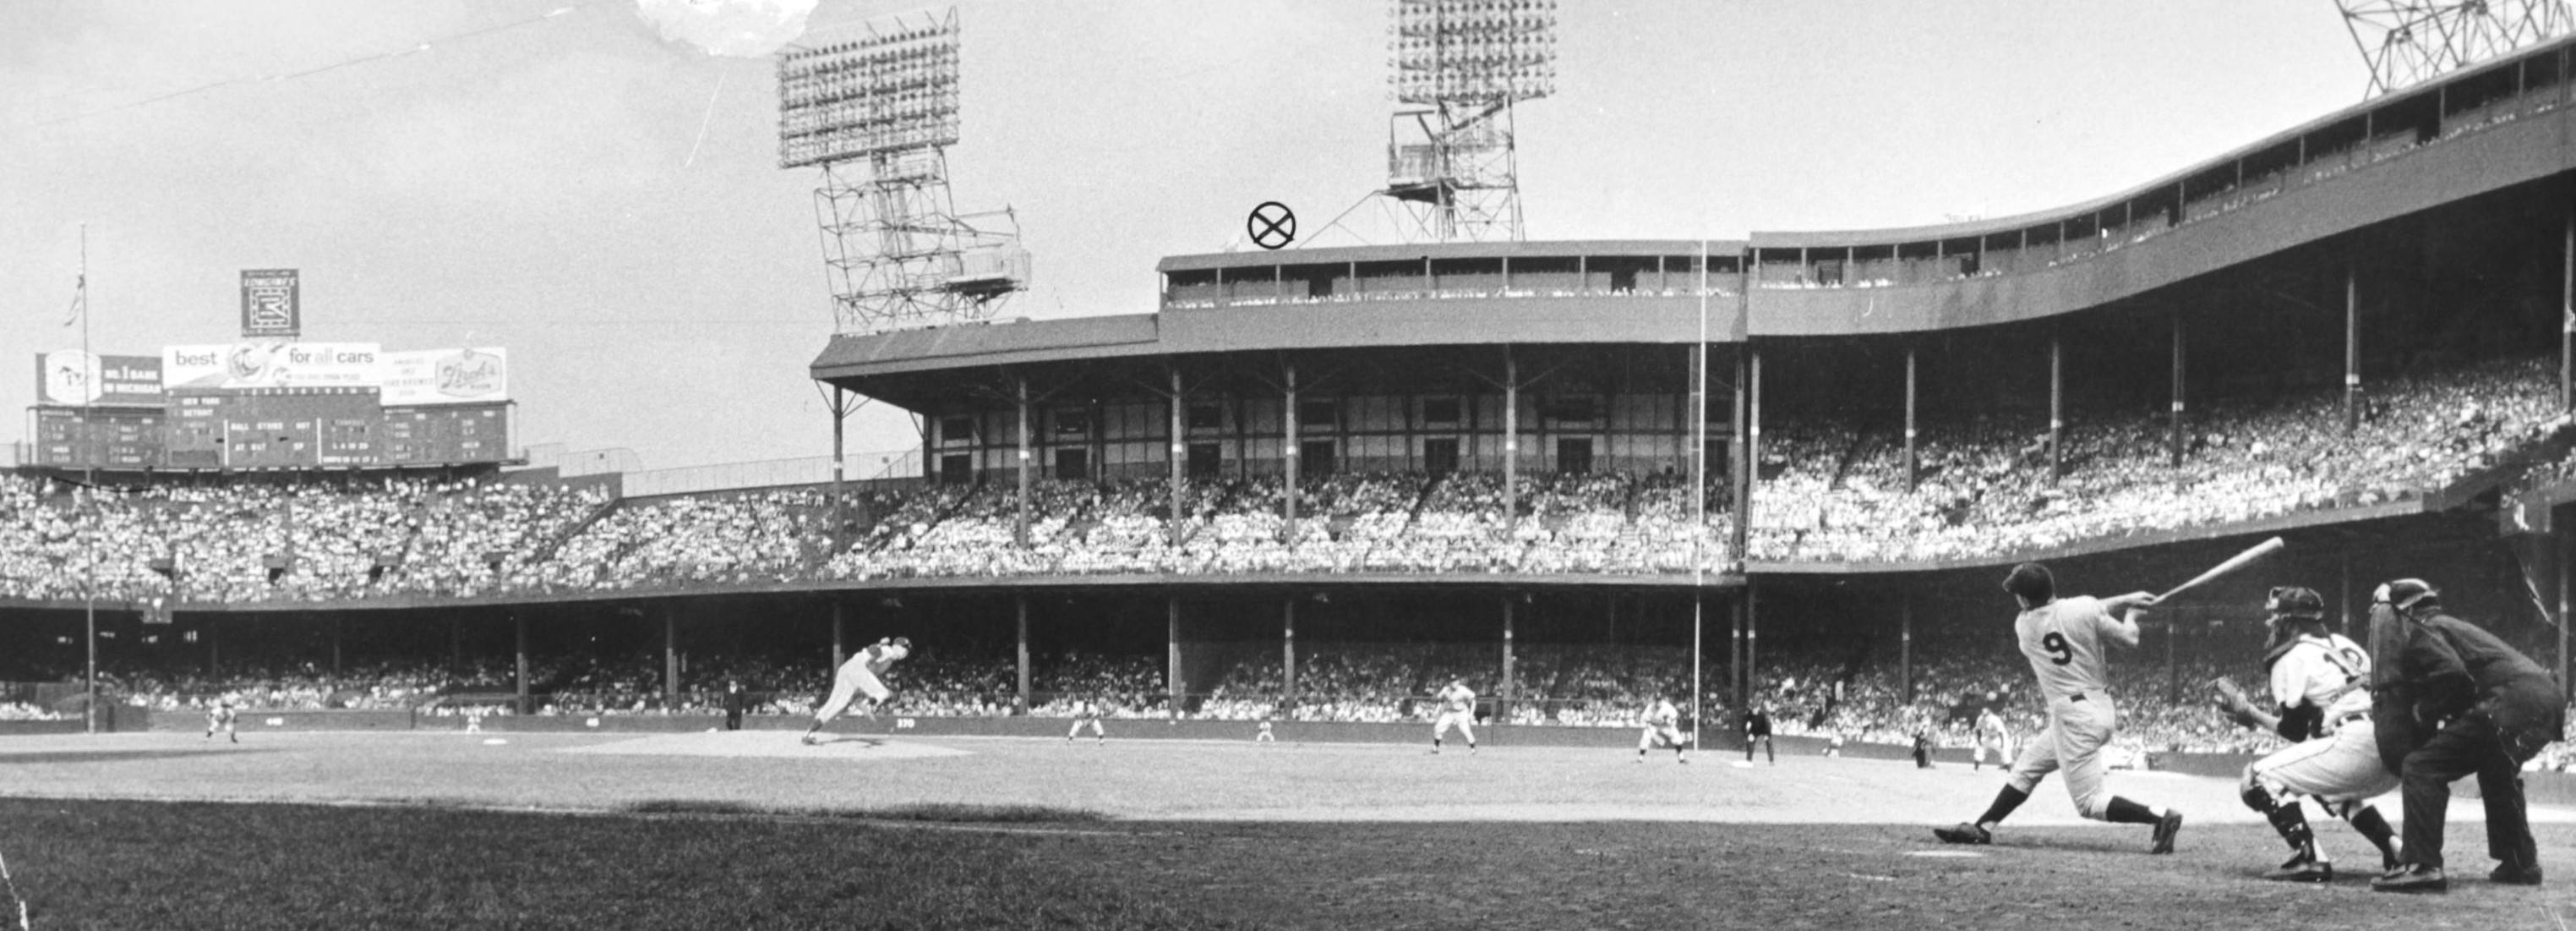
272 304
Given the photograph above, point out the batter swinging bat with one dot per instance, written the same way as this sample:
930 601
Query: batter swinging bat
2233 563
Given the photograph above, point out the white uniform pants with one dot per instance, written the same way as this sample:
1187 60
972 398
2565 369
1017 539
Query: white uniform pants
1659 736
2077 732
851 681
2339 767
1464 721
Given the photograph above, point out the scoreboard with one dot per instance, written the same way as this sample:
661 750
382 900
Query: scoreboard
271 405
271 428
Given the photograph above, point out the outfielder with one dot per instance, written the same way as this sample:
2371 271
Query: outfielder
219 716
1663 729
2064 639
2321 698
1086 711
1991 735
1457 708
861 674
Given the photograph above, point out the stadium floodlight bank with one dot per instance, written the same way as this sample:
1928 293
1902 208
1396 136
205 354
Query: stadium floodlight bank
1464 64
875 106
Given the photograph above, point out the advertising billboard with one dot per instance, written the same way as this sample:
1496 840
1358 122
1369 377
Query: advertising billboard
272 304
472 375
272 365
70 378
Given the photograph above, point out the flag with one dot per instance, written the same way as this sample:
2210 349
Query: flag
80 301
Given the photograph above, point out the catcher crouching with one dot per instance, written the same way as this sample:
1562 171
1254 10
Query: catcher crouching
2321 701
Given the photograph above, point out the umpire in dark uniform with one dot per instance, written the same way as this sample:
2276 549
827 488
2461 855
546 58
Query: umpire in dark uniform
2451 700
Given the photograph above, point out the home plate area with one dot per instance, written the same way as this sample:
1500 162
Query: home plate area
769 744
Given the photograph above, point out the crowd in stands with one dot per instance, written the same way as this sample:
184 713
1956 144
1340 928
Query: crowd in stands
1831 492
1983 488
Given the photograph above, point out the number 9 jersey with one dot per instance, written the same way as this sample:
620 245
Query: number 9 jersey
2063 640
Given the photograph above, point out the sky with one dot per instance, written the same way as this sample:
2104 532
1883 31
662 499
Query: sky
565 179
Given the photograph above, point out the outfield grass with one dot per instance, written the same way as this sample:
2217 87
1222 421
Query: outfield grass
132 864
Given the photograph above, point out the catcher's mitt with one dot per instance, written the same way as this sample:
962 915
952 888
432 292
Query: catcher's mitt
2231 701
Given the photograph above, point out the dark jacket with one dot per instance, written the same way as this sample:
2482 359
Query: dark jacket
2441 667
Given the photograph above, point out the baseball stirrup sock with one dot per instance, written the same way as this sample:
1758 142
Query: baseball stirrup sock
2374 826
2005 801
2123 811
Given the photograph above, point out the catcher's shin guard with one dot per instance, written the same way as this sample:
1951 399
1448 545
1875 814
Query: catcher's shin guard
2286 818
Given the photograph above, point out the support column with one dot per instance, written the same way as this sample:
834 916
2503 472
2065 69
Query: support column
2351 351
2173 673
2056 408
840 653
1020 607
1288 649
1735 652
1752 646
1752 450
840 515
2567 320
1912 465
1020 520
1699 617
1507 690
1172 679
1180 452
2174 430
1742 481
1290 454
1905 650
335 646
670 661
520 625
1511 438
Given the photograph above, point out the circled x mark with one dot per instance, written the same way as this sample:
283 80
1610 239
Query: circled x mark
1272 225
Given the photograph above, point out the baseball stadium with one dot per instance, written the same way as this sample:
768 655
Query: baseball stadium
1250 534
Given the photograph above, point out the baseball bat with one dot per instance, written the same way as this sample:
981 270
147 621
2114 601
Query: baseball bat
2233 563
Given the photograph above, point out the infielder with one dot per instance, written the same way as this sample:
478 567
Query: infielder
1757 727
1663 729
2321 698
219 716
1991 735
861 674
2064 638
1086 711
1458 709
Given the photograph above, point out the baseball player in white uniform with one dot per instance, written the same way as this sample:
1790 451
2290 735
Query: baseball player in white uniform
219 717
2321 700
1086 711
1457 709
862 674
1991 735
1663 729
2065 640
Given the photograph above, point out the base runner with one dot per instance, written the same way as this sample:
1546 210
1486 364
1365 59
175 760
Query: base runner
2321 699
2065 640
862 674
1457 709
219 716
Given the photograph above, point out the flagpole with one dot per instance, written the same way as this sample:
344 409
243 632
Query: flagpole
89 462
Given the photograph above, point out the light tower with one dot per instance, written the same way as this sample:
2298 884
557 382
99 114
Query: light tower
875 105
1464 63
2407 41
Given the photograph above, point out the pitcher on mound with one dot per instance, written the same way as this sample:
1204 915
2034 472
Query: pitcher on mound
2064 639
861 674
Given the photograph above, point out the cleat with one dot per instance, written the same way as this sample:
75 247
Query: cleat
1965 833
1683 760
2412 878
808 740
2512 875
2166 828
2300 869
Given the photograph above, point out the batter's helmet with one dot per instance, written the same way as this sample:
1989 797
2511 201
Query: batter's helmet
2032 582
2293 601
